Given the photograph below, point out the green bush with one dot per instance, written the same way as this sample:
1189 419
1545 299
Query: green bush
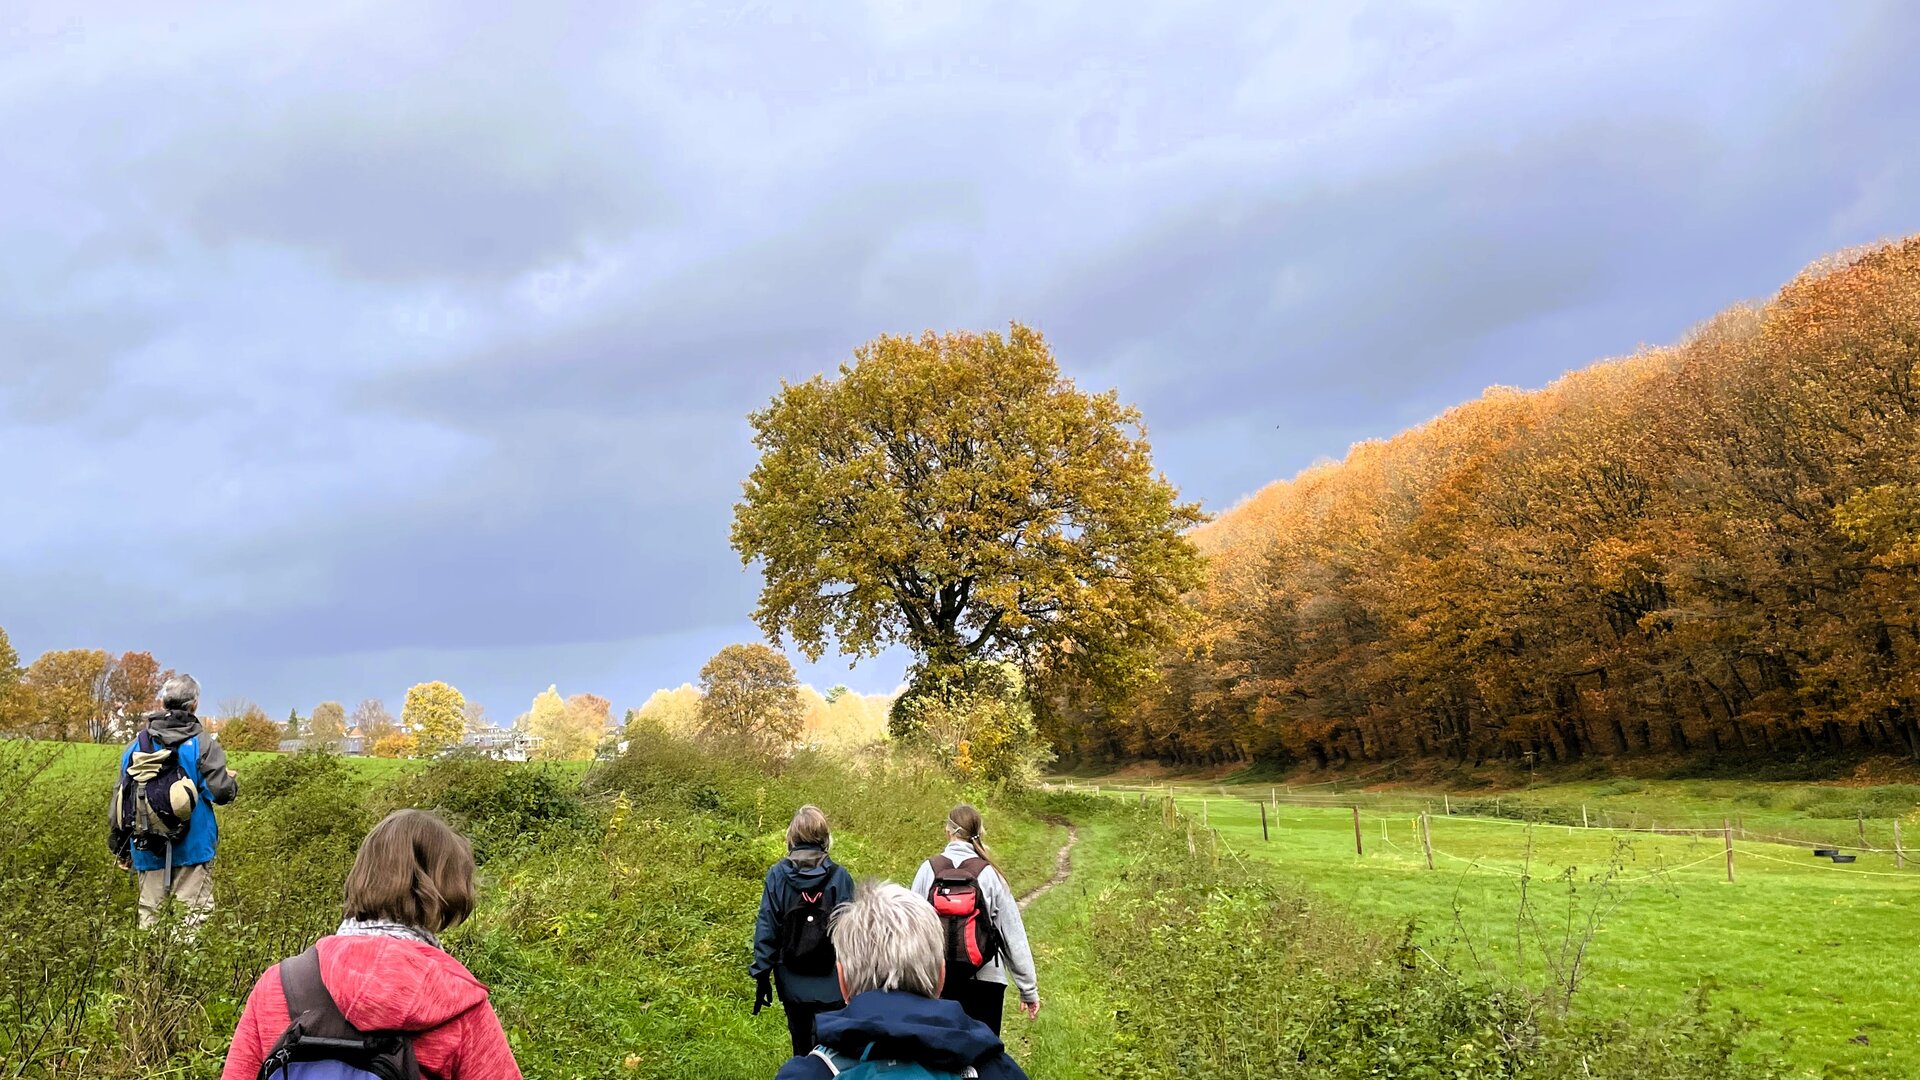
1619 787
499 806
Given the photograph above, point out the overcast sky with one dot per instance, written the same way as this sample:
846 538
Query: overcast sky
349 345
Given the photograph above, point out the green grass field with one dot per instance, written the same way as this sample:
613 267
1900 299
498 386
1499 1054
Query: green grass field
616 908
1813 951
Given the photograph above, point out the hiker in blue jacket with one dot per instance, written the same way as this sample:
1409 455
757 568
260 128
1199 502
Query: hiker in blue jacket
792 949
892 961
161 821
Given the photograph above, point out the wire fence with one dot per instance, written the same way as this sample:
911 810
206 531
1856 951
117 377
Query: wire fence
1278 810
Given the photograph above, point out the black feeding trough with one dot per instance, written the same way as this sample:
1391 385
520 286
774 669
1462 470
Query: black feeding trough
1825 852
1844 858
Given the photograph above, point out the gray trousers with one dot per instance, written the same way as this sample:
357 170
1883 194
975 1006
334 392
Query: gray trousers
192 885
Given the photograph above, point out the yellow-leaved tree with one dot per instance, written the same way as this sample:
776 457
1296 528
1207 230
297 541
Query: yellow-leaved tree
435 715
676 710
957 494
568 729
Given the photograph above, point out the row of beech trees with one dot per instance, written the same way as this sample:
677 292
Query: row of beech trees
1708 548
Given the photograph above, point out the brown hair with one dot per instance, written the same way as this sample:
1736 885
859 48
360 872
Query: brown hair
412 869
809 827
963 823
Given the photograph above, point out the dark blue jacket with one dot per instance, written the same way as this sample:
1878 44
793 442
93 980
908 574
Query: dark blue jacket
804 868
907 1027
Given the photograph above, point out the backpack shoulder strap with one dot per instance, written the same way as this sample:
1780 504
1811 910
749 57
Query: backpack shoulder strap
826 1055
941 864
973 866
309 998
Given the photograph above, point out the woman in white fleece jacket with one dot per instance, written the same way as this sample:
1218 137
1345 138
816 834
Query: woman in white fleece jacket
983 996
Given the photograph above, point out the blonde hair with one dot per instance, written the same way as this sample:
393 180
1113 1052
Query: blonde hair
887 938
809 828
963 823
412 869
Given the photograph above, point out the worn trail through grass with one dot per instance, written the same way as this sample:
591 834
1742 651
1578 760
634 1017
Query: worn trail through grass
1062 866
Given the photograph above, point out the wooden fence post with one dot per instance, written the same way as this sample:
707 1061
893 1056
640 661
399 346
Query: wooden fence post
1263 822
1426 837
1203 815
1446 803
1899 853
1583 815
1860 819
1726 833
1357 850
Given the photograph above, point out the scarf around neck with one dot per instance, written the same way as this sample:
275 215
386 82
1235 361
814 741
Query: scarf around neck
385 928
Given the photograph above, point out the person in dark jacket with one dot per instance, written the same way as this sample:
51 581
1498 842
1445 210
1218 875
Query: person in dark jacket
792 952
185 871
892 962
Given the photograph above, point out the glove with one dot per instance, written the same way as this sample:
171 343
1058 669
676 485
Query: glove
763 991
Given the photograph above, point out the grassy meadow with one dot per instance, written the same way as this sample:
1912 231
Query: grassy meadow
617 904
1810 951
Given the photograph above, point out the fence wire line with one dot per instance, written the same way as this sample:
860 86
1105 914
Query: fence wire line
1387 836
1832 869
1744 832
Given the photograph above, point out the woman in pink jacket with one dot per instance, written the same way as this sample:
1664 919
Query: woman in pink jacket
383 970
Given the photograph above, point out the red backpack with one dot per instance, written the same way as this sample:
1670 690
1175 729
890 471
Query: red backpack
972 940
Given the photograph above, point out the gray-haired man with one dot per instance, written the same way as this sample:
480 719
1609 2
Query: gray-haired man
892 962
182 866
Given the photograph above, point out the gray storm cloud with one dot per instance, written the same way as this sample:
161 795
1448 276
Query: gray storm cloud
437 323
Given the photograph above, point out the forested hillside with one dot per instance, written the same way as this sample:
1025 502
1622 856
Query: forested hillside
1708 548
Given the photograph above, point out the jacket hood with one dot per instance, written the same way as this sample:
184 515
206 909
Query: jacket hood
959 851
171 727
809 863
908 1027
392 984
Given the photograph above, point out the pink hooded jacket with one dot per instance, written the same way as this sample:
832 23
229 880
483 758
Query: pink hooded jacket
388 984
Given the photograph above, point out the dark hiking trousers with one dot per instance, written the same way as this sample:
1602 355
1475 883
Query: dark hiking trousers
984 1001
800 1017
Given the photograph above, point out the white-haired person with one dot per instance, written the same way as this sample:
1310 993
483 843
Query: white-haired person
891 951
792 948
161 821
986 939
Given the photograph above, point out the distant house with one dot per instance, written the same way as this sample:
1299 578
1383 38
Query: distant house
502 744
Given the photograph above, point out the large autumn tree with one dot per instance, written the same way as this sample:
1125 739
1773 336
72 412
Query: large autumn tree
955 493
328 725
12 696
435 715
750 700
69 693
568 729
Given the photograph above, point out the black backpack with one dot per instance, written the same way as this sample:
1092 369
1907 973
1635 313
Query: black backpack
319 1043
154 802
806 947
972 940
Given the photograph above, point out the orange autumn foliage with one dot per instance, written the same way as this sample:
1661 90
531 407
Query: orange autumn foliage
1711 547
